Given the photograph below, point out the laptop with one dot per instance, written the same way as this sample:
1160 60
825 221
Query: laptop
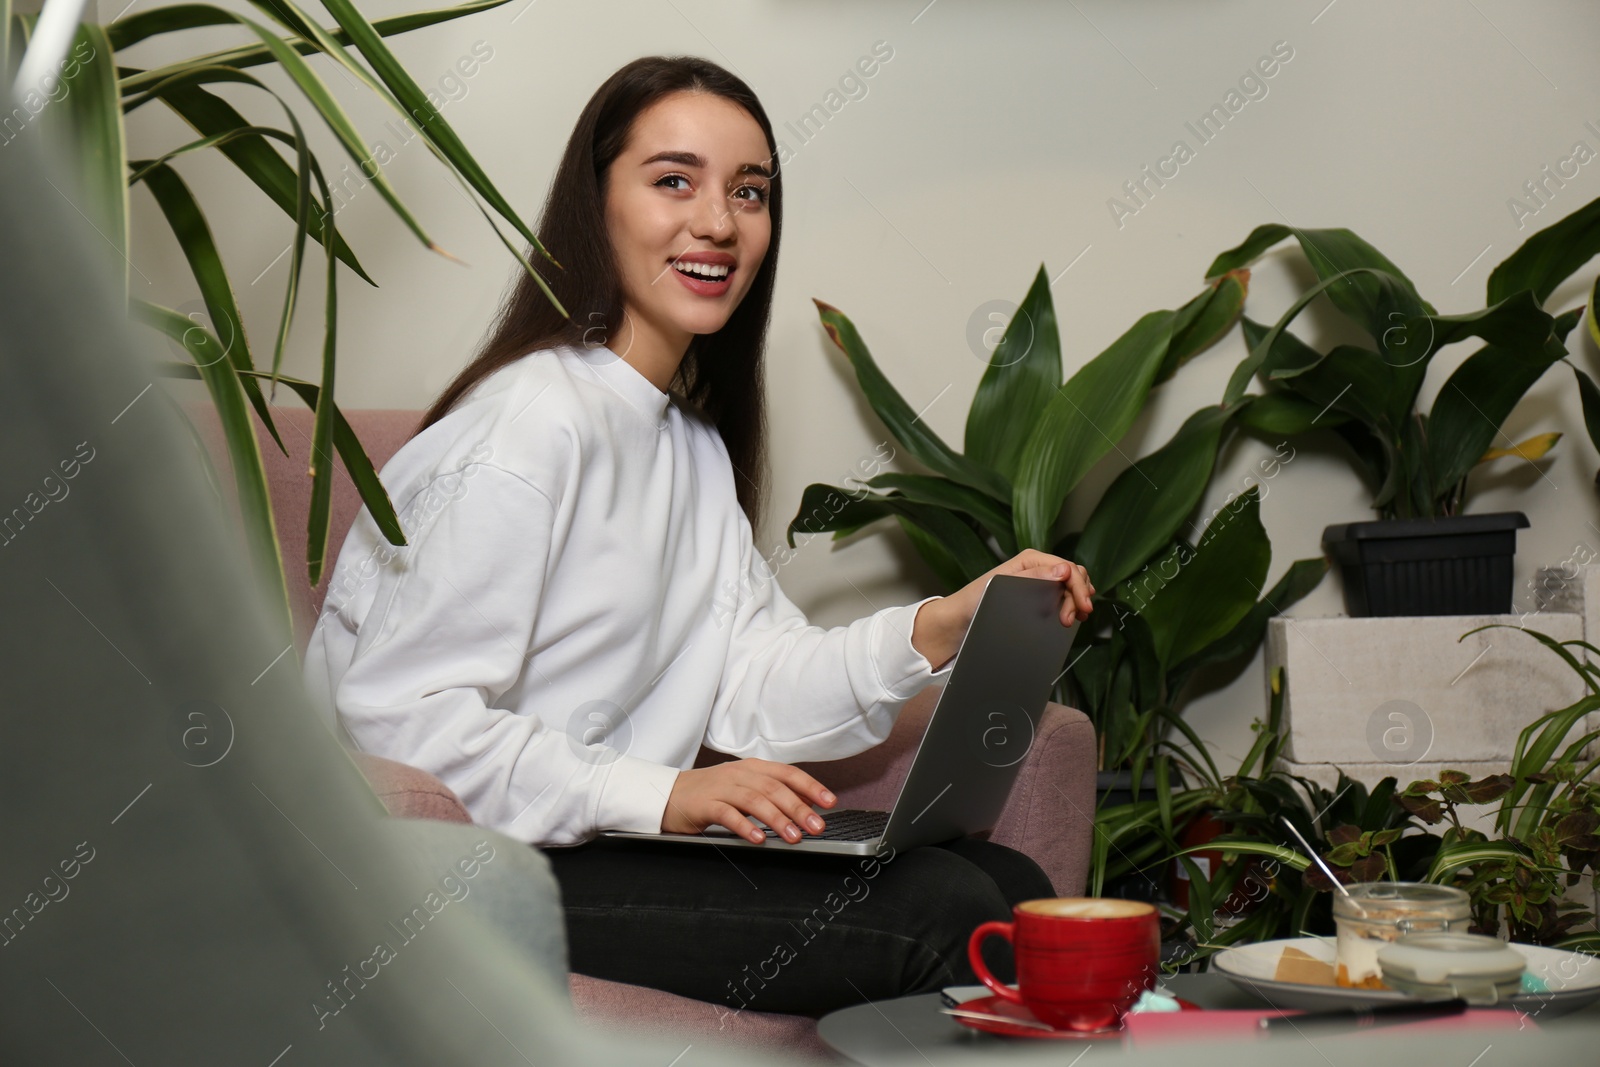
982 727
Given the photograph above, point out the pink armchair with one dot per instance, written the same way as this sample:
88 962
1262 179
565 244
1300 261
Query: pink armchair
1049 816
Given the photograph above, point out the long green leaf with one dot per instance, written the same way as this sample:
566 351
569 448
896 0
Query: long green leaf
906 425
824 507
175 17
214 140
1594 327
951 546
304 167
343 129
1297 582
132 29
1516 320
1282 413
1588 673
93 115
1016 384
1357 381
1203 321
401 93
1231 847
189 225
1589 393
320 512
357 463
1084 420
1178 723
1375 293
1201 911
209 114
414 101
303 210
1214 588
1475 402
942 492
936 528
1163 765
249 473
1259 749
1259 352
1147 503
1451 858
1548 257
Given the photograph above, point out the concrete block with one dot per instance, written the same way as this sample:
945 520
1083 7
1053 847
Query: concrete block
1405 690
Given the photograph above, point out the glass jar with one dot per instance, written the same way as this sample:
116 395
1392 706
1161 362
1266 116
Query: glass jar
1376 914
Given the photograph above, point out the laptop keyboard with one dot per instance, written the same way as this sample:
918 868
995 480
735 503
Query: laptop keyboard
850 824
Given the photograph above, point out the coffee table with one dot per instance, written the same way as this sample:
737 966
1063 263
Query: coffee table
887 1032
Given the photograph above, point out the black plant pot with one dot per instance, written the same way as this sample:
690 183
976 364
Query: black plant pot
1455 565
1114 788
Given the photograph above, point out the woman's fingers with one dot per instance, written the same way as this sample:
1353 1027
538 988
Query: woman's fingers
768 811
1077 579
804 784
725 814
1079 591
779 784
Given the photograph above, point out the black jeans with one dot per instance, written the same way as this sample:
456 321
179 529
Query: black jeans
767 930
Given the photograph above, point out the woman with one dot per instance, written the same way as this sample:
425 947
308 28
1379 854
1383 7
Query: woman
580 605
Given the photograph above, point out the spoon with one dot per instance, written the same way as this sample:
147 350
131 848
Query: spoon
966 1014
1316 858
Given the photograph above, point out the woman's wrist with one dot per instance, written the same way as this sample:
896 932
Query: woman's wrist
934 634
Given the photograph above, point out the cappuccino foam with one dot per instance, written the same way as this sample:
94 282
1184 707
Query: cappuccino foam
1086 907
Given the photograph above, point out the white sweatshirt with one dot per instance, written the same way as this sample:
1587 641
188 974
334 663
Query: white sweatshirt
579 606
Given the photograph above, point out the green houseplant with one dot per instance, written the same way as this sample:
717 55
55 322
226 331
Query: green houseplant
1030 439
1417 462
86 124
1546 822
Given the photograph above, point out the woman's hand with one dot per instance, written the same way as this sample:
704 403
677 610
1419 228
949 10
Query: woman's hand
723 794
941 624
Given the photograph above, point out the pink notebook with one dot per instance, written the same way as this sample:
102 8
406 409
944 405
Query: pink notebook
1153 1027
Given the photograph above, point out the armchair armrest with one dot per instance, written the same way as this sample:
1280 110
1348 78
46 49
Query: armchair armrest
408 792
1049 816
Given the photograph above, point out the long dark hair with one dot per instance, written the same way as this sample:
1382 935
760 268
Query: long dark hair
722 372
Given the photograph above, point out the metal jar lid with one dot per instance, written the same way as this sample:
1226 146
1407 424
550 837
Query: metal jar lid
1441 958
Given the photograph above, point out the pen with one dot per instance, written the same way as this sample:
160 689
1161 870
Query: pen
1362 1018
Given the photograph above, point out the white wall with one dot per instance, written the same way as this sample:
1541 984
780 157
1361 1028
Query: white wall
989 143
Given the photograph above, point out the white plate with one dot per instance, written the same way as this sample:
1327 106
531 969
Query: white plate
1573 979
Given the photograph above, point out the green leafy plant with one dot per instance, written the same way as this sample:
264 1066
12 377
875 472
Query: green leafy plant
1030 439
1417 462
1546 826
1548 815
87 123
1265 887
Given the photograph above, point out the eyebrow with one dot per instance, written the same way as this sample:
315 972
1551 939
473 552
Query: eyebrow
690 159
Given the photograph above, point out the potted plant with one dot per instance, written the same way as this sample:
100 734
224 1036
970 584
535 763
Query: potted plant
1177 605
86 125
1421 556
1546 841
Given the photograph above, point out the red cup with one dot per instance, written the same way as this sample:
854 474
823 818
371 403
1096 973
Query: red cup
1082 962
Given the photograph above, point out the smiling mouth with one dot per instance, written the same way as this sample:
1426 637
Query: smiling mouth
689 271
704 284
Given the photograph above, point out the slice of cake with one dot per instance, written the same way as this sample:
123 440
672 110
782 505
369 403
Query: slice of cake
1299 967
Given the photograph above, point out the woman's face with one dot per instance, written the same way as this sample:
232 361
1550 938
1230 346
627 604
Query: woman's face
686 204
